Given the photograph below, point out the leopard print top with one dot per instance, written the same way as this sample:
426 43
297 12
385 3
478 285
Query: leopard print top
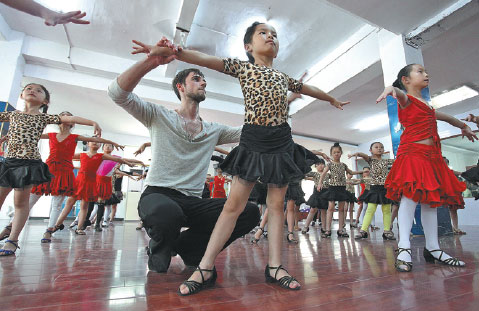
380 170
24 133
317 176
338 174
264 90
367 182
350 188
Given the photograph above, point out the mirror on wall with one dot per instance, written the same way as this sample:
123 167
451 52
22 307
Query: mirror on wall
462 154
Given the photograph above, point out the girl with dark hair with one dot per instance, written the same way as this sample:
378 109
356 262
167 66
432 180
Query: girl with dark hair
337 189
377 195
315 201
266 151
23 167
419 174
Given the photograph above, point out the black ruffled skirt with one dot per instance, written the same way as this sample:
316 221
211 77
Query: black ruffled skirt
352 198
268 154
362 197
295 193
377 195
114 199
19 173
337 194
472 174
316 201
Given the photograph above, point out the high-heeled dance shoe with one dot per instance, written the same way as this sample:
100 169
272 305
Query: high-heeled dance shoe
284 282
388 236
195 287
399 263
291 240
451 261
342 234
361 235
305 230
326 234
254 240
47 236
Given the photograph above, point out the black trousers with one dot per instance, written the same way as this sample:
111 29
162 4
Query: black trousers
165 211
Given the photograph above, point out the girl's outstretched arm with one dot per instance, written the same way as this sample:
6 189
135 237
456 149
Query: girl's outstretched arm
165 48
321 179
142 148
100 140
465 129
398 94
315 92
82 121
472 118
117 159
360 154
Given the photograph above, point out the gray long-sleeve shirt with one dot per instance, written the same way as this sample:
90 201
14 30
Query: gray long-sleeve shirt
176 162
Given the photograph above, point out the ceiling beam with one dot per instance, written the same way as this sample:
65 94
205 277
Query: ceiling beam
442 22
5 30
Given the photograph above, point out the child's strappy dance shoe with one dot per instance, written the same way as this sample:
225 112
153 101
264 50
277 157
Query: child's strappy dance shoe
401 265
7 252
194 287
5 232
284 282
47 236
291 240
254 240
451 261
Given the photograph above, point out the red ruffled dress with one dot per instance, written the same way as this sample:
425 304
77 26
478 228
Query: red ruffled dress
61 166
419 172
85 183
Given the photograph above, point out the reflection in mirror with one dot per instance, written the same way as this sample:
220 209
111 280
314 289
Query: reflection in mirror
462 154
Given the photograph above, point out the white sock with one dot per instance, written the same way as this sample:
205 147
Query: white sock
106 217
93 213
407 207
429 225
363 212
55 209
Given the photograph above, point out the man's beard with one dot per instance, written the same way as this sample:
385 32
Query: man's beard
198 97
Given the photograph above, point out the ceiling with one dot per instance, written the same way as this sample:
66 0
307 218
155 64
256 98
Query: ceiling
309 32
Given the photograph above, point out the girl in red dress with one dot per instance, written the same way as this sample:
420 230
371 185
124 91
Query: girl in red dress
219 184
85 184
62 149
419 174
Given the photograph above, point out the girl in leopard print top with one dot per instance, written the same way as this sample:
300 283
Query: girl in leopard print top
266 151
377 194
23 166
337 189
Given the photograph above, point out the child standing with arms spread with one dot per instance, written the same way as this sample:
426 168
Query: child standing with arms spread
85 184
419 174
23 167
337 189
266 151
377 193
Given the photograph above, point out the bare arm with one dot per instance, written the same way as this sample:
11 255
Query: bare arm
321 154
465 129
360 154
398 94
44 136
353 172
221 151
315 92
142 148
117 159
187 56
100 140
321 179
51 18
472 118
83 121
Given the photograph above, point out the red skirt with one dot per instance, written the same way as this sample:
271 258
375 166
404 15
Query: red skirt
103 186
85 188
421 174
61 184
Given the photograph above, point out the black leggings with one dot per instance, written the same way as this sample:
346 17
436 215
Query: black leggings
165 211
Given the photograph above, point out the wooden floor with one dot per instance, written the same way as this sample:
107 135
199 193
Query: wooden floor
108 271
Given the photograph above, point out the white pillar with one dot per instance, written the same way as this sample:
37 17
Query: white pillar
12 64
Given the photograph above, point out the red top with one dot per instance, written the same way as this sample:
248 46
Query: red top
89 166
218 188
419 121
61 152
